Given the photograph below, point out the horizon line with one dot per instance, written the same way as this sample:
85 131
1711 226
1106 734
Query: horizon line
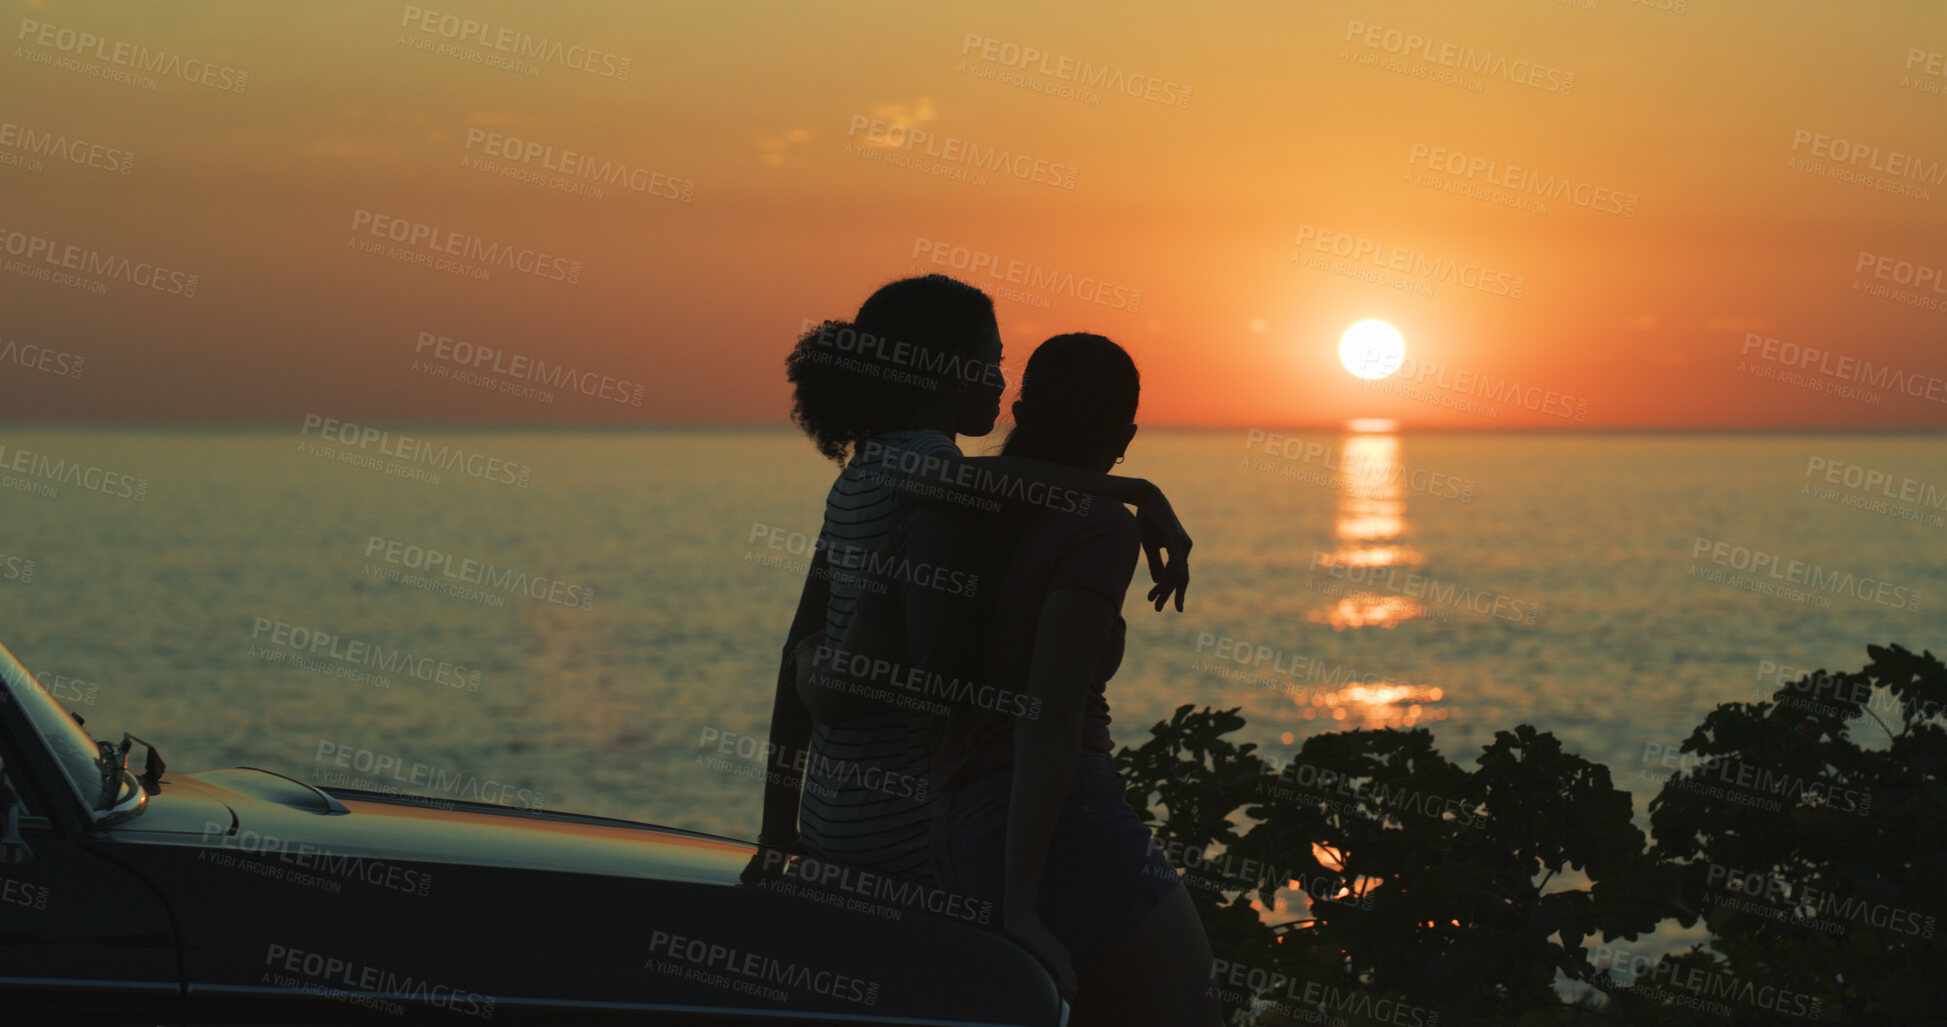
247 424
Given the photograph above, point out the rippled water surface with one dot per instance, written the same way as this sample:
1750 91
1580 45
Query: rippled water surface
1369 579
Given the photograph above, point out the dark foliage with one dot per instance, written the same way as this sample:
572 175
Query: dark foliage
1417 892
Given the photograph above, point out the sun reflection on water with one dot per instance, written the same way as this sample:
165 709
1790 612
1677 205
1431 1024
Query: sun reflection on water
1371 530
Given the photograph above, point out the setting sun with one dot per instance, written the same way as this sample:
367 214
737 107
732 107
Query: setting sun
1372 349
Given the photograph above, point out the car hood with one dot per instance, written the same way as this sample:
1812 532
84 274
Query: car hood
259 811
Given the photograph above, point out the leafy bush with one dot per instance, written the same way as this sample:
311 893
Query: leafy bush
1435 894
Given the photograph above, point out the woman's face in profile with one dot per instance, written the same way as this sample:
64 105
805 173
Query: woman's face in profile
981 403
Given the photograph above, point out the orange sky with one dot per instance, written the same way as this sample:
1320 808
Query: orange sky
750 213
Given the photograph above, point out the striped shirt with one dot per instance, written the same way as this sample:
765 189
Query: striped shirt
866 793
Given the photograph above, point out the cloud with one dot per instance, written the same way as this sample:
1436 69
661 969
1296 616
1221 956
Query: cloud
901 114
782 149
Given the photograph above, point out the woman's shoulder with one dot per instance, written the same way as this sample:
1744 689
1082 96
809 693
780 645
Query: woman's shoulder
1092 520
881 462
1110 517
1096 549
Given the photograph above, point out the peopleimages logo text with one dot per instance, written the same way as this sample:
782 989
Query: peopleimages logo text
1598 198
1417 263
477 357
357 652
59 147
527 45
416 235
1460 57
440 780
73 472
411 450
130 55
476 572
88 261
1027 275
1808 575
1070 69
955 150
1893 162
579 166
1845 367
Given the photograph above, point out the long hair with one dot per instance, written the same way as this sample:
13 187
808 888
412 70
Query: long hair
911 340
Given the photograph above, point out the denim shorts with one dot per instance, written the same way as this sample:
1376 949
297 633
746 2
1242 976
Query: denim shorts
1103 873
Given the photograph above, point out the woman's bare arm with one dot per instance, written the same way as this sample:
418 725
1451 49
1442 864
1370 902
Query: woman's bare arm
1074 626
790 719
1015 481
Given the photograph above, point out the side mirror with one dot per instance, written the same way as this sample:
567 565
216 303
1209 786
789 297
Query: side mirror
13 848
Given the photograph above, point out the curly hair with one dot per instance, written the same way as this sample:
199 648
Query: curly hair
855 379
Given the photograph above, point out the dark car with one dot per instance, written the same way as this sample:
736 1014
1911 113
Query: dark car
245 896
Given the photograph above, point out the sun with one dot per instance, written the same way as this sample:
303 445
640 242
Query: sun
1372 349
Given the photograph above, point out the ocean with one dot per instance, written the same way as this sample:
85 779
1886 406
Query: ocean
591 620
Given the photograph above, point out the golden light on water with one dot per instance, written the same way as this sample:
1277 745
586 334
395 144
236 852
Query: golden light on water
1369 610
1369 538
1374 520
1370 531
1371 558
1375 704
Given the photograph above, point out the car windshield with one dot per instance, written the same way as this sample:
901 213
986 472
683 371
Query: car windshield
77 754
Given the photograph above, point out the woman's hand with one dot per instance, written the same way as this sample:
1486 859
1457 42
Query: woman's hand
1030 933
771 859
1163 532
